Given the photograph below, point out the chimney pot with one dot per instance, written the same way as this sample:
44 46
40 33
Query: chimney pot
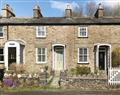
7 11
68 6
37 12
100 6
100 11
68 11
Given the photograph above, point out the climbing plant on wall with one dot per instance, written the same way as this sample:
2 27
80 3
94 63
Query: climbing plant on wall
116 57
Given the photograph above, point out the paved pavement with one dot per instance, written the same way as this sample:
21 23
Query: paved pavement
60 92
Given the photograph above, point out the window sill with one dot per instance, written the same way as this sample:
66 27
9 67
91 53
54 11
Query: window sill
40 63
1 62
1 37
83 62
82 36
41 37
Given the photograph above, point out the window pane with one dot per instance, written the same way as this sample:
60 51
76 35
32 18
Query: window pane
80 58
43 50
80 51
39 51
1 34
1 51
41 28
1 29
42 33
80 33
39 58
85 50
84 33
1 58
39 33
85 58
43 58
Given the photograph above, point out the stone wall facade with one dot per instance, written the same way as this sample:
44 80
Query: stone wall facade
61 34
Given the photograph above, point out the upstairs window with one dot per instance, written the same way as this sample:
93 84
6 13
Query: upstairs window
82 32
41 31
41 55
82 55
1 31
1 55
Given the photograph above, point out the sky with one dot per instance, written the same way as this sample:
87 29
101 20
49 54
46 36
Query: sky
49 8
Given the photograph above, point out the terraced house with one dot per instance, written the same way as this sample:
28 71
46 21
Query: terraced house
61 43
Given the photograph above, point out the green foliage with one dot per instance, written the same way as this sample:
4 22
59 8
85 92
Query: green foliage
80 70
83 70
116 57
73 71
96 71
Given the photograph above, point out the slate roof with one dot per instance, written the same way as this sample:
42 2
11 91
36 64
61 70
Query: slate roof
59 21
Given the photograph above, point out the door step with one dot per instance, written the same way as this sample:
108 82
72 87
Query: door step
55 82
56 79
57 74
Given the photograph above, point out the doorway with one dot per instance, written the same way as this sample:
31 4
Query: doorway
11 55
102 60
13 52
58 58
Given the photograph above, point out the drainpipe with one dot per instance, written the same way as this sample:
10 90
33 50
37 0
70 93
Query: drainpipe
7 32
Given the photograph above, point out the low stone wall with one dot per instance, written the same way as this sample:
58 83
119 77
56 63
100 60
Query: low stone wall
21 80
31 82
84 84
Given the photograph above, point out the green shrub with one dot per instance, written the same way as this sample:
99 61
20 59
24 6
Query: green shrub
83 70
73 71
116 57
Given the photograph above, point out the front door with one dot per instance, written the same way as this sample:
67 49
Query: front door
11 55
102 60
59 58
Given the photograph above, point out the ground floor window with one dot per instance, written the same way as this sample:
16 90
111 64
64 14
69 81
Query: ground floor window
1 31
41 55
1 55
82 55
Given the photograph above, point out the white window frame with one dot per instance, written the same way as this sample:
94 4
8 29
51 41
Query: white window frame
79 55
41 62
79 28
2 32
2 55
40 36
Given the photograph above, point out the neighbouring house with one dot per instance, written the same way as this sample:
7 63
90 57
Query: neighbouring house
61 43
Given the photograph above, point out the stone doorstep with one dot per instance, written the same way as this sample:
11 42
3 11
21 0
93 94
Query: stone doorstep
55 82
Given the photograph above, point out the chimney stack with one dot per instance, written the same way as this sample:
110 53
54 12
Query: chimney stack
100 11
68 11
37 12
7 11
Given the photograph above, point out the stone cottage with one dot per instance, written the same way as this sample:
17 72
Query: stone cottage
61 43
